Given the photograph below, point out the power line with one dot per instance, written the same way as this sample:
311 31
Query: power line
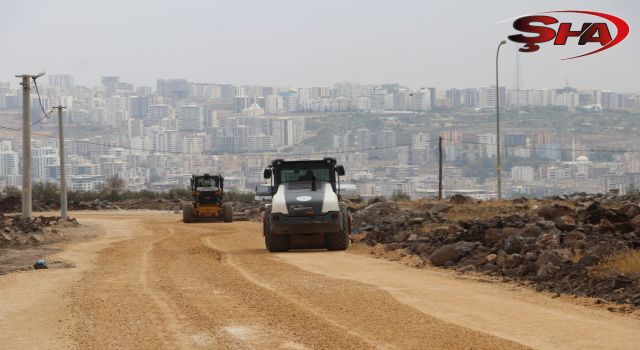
46 115
39 120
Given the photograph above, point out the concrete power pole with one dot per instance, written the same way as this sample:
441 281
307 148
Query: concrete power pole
26 142
440 167
26 145
63 169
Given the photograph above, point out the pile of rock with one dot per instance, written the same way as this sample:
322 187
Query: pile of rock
15 231
10 204
558 247
150 204
128 204
247 210
91 205
14 205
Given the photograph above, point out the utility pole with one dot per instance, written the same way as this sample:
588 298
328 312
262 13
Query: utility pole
498 165
26 145
26 142
63 169
440 167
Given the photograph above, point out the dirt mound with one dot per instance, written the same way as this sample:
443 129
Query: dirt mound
247 210
10 205
17 232
251 209
14 205
128 204
579 244
151 204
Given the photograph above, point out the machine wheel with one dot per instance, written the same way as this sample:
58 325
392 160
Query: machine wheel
275 243
336 241
187 213
339 241
227 211
265 221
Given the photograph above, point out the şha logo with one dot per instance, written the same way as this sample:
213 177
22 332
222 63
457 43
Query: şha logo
589 32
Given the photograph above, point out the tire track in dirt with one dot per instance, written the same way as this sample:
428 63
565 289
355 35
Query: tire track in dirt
111 308
355 308
241 314
156 294
172 285
314 311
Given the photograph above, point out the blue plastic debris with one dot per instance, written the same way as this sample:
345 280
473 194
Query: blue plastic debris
40 264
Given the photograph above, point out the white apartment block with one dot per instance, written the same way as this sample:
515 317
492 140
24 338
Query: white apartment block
287 131
8 164
522 174
488 144
42 158
190 118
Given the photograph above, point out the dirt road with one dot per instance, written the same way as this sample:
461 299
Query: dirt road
152 282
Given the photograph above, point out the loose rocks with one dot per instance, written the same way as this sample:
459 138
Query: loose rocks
443 254
555 245
16 232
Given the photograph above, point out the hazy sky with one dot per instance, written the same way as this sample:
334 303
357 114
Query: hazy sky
302 43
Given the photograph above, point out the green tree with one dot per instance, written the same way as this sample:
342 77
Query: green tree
112 187
82 196
10 191
45 192
400 196
238 196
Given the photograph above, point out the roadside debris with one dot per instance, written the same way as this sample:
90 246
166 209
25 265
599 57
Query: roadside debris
16 232
580 244
40 264
242 211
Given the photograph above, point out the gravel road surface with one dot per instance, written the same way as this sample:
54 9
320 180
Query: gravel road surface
150 281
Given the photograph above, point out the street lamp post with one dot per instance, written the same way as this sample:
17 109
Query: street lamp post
498 165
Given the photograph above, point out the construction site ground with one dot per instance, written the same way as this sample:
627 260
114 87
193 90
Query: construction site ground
145 280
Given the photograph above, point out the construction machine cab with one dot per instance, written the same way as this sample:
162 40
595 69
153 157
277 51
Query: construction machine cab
281 171
207 189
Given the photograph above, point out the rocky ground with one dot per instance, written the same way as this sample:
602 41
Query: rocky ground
581 245
16 232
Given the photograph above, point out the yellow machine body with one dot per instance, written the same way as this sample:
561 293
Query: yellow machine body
207 192
206 210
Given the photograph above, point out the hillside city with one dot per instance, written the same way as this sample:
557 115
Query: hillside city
386 135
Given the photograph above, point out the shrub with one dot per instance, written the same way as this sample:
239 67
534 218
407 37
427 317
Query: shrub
400 196
238 196
88 196
10 191
45 191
